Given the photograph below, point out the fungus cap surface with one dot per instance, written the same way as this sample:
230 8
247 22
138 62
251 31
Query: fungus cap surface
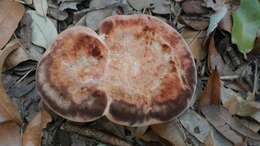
68 74
142 73
151 73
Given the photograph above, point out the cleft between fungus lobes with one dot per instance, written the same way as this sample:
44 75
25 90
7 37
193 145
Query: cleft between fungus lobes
142 73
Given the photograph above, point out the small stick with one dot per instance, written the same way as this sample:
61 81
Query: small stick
96 134
229 77
23 77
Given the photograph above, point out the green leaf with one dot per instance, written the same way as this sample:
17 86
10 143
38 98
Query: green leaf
246 21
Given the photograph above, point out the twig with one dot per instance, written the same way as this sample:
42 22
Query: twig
96 134
23 77
231 77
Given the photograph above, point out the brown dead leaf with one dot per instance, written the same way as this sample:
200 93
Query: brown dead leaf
8 110
22 54
216 119
17 56
239 106
10 134
194 7
196 23
171 132
33 132
11 13
216 139
251 124
195 40
211 94
223 121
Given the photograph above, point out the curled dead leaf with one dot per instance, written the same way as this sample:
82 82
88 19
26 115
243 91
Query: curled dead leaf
16 57
22 54
11 13
239 106
33 132
223 121
194 7
211 94
216 139
7 107
251 124
216 119
196 23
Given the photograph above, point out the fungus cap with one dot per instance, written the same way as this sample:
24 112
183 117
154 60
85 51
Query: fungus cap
141 73
68 74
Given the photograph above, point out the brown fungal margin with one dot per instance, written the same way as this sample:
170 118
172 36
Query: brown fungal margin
69 72
151 76
142 73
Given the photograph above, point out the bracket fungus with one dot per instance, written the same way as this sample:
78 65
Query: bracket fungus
140 72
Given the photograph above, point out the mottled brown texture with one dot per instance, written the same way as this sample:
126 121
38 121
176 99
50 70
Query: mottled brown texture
142 73
71 70
159 77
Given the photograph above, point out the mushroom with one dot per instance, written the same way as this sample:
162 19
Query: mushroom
140 72
69 72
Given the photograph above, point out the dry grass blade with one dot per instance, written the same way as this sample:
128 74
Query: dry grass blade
7 107
33 132
11 13
96 134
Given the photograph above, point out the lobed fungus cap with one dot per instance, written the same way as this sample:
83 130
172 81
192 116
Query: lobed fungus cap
141 73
